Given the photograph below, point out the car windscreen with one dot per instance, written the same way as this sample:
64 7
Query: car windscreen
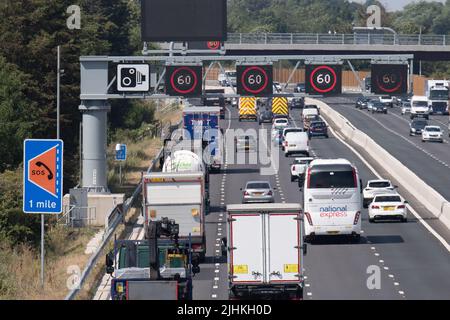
258 185
318 124
322 177
387 199
379 184
433 129
293 130
419 124
420 104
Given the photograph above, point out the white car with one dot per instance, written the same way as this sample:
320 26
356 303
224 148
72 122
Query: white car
432 133
388 206
298 168
387 101
375 187
280 122
406 107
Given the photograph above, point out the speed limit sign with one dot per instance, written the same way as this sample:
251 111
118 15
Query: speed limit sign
389 79
323 79
254 80
184 80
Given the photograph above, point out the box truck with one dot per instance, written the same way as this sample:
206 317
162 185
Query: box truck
265 251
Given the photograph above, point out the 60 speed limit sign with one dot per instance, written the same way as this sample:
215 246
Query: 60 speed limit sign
184 80
254 80
389 79
323 79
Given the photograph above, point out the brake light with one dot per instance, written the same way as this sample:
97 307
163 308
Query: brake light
309 178
402 206
354 177
293 168
375 207
308 216
356 217
246 193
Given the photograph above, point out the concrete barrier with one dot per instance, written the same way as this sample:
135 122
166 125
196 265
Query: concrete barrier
434 201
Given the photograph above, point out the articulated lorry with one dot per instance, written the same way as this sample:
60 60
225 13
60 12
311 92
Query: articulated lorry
265 251
159 268
180 192
437 92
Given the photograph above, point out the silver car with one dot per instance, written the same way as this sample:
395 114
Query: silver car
257 191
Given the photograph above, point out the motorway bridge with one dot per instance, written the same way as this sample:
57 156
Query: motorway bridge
424 47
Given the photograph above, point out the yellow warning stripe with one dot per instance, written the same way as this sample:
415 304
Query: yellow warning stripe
247 105
280 105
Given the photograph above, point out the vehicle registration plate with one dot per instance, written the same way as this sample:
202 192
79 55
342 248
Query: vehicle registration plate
389 208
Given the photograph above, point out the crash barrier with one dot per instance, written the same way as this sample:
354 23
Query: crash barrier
420 190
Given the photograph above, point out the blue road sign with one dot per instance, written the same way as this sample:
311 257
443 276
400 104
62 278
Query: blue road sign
121 152
43 176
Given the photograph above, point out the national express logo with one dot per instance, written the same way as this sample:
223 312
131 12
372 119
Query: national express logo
333 212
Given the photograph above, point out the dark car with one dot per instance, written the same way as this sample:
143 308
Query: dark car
318 128
379 107
300 87
361 103
297 103
416 126
265 116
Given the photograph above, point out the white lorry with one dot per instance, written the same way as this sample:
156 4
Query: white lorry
179 193
419 107
265 251
437 92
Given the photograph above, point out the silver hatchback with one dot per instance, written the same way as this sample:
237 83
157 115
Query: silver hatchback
258 191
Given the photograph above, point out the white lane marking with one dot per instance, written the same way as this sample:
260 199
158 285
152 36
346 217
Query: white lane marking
216 279
401 292
404 138
214 296
215 287
431 119
410 208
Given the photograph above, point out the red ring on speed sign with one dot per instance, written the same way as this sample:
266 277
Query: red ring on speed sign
213 45
390 90
312 81
172 80
265 78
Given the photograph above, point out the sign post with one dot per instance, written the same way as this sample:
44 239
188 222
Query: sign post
43 181
121 155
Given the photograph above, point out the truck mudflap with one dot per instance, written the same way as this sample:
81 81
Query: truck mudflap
285 292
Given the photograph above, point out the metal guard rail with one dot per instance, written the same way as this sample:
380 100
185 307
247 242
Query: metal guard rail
339 39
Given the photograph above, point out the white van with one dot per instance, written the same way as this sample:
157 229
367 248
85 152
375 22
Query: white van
419 107
310 111
296 142
332 196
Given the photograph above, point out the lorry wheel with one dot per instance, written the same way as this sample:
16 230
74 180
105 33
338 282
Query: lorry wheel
356 238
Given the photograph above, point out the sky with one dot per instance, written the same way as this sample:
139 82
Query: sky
394 5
